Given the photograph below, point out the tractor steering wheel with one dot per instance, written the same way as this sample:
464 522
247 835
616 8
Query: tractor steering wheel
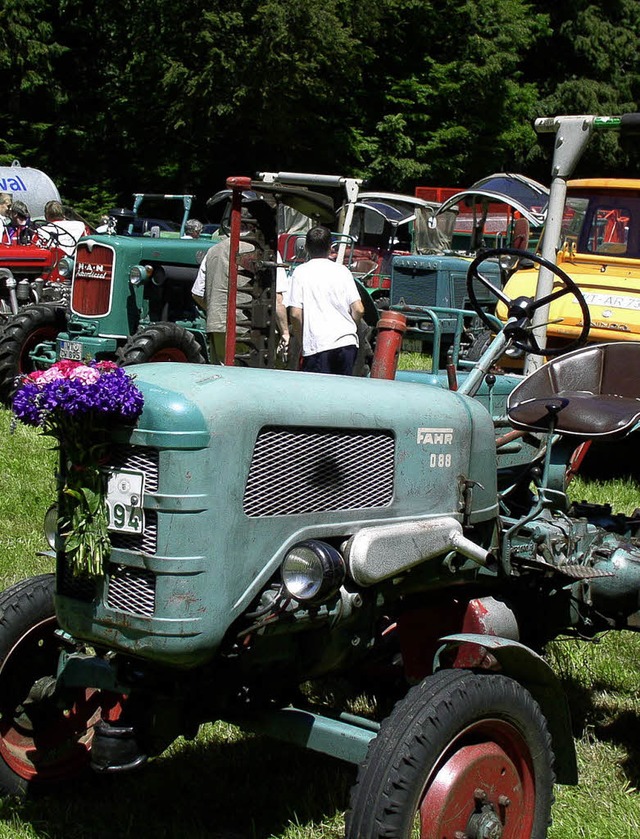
523 308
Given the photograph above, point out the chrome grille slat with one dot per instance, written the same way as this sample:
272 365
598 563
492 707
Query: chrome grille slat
295 470
131 590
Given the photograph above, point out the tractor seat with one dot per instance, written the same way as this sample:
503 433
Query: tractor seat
591 392
364 266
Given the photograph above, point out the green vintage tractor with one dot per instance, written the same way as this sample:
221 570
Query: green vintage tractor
271 530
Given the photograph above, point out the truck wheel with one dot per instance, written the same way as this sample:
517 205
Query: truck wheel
463 754
20 335
162 342
42 740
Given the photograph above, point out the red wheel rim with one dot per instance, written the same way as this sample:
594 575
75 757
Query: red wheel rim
483 784
44 333
39 740
170 354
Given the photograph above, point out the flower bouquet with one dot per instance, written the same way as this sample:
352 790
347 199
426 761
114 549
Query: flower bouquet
75 403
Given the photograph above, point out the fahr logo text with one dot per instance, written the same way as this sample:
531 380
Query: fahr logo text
443 436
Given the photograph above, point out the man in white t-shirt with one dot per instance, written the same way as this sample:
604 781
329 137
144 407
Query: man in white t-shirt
325 309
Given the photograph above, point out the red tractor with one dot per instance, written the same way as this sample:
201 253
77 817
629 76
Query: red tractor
32 274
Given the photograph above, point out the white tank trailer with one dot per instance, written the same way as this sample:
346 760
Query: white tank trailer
32 186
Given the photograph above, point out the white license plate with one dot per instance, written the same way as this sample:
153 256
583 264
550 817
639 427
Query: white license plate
125 494
71 350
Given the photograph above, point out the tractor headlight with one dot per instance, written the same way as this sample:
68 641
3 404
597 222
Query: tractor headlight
51 530
65 267
140 274
312 571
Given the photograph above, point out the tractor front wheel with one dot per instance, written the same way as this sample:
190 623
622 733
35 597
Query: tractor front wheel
463 754
162 342
21 334
44 738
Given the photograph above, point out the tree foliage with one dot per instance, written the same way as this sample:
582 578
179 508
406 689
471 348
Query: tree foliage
157 96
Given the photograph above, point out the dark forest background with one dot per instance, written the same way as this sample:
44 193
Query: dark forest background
111 97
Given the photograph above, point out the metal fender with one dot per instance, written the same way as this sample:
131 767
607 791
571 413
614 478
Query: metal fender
532 672
371 313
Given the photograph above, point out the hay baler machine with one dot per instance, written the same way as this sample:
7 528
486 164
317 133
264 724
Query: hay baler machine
272 530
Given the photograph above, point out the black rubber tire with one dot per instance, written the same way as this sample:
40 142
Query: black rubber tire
41 743
20 334
449 717
479 346
161 342
364 358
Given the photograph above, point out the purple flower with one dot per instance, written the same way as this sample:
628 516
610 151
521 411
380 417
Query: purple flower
70 391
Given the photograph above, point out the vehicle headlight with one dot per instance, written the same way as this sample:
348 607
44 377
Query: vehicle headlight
51 529
312 571
65 267
139 274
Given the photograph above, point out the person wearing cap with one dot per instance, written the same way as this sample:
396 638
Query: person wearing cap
20 230
192 229
325 308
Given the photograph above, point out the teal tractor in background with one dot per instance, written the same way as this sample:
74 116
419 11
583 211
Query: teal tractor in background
271 530
503 208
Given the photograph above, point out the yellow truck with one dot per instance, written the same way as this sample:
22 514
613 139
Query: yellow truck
599 248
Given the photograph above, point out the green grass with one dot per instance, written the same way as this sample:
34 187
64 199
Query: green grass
228 785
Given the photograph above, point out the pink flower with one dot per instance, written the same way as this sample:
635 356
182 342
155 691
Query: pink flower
106 366
42 377
87 375
65 366
65 370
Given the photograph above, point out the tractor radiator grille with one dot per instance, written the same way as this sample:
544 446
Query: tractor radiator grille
145 460
92 280
414 288
295 471
131 590
137 459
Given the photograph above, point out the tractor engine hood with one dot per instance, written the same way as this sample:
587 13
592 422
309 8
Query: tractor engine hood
241 464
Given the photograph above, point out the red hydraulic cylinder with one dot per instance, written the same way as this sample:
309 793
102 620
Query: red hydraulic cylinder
237 184
391 328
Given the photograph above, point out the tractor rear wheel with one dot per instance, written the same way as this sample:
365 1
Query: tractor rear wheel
43 739
364 358
20 335
463 754
162 342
